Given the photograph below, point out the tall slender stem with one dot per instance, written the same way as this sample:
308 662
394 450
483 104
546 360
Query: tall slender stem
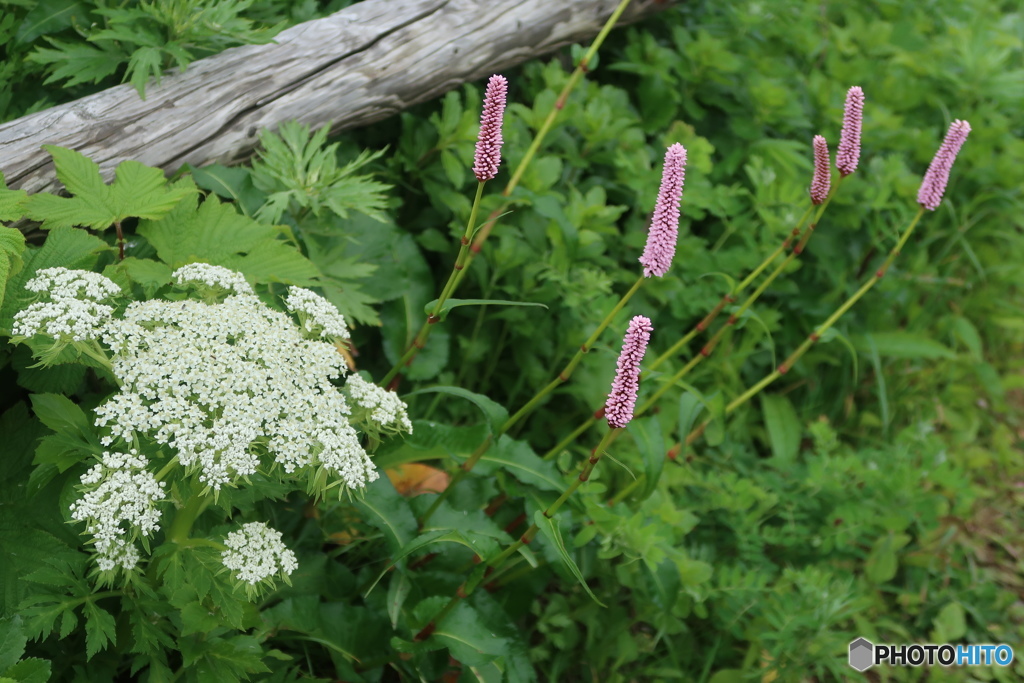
455 279
817 334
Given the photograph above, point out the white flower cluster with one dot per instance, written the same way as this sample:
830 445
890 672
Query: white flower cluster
316 312
120 489
212 276
256 553
223 383
74 311
384 407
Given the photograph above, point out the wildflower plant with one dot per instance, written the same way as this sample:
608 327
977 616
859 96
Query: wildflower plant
223 450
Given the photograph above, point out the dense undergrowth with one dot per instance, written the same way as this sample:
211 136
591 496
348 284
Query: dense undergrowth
873 490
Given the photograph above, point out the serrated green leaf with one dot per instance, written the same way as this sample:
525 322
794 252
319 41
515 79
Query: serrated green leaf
230 182
100 629
144 63
275 261
449 304
481 545
137 191
549 527
12 642
31 670
76 62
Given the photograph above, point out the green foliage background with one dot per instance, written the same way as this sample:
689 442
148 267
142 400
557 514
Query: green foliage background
871 492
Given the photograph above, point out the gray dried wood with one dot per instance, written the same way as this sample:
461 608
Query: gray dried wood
354 67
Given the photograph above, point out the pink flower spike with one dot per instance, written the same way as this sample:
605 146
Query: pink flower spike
849 139
619 408
664 231
822 180
488 143
934 184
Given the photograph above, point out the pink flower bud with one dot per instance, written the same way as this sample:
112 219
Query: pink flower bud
849 139
488 143
822 176
664 231
619 408
934 184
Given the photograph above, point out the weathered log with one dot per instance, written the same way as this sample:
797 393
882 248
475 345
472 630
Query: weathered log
354 67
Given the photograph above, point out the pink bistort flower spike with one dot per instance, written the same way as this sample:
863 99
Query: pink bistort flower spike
488 143
619 408
934 184
661 238
822 176
849 139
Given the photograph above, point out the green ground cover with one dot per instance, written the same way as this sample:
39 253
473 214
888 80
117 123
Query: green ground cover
872 490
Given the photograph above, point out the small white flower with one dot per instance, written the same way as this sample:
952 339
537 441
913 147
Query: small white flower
120 499
255 553
316 313
225 383
385 408
213 276
74 311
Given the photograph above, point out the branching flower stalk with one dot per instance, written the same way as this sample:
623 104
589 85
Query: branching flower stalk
929 197
619 412
455 279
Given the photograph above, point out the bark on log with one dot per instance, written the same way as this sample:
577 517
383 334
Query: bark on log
354 67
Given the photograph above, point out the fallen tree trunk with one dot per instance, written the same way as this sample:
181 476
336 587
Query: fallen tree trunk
354 67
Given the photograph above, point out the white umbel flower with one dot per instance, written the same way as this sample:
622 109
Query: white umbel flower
74 311
212 276
224 383
120 500
255 553
317 315
384 407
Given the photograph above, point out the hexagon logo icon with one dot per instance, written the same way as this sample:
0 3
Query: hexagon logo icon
861 654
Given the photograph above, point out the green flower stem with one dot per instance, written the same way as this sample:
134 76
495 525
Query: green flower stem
567 371
455 279
180 528
816 335
449 287
562 377
165 470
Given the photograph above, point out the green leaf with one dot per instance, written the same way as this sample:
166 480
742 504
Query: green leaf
481 545
149 274
784 427
883 561
12 642
230 182
137 191
903 345
468 639
76 62
495 413
549 528
12 205
647 434
61 414
144 63
31 670
12 245
50 16
275 261
449 304
950 625
398 591
518 459
389 512
100 629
